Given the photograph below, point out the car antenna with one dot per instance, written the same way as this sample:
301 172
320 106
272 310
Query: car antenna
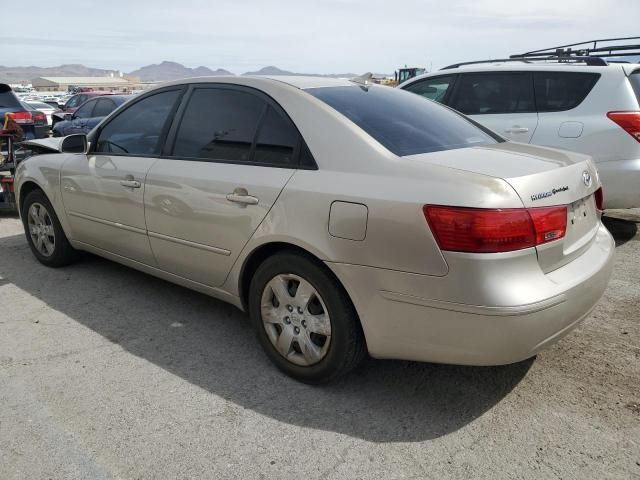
364 80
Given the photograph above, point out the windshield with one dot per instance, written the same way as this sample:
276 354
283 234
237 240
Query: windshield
406 124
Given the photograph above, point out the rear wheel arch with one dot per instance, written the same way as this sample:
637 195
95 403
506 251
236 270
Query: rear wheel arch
264 251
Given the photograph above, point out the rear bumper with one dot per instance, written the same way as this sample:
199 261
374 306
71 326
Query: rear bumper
621 183
498 310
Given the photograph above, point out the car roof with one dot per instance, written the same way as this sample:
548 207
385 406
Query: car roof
301 82
524 67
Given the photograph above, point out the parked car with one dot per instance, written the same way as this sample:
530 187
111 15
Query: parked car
73 103
88 115
592 109
424 238
42 107
32 122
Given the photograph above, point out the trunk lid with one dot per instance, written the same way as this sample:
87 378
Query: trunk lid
542 177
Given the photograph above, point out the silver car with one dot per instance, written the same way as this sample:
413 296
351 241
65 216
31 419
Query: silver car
346 218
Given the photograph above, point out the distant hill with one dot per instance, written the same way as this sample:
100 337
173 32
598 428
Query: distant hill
26 74
270 70
165 71
275 71
160 72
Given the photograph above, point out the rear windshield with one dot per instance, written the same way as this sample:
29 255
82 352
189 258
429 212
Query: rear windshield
8 99
406 124
634 78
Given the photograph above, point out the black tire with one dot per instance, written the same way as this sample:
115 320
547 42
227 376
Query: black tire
63 253
347 347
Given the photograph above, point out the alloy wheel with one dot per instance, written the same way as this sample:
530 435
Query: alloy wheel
41 229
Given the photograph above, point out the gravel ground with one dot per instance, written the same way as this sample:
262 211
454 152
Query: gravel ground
109 373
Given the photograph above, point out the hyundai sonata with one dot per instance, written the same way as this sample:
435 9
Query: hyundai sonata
346 218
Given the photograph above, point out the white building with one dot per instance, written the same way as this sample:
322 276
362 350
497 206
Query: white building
57 84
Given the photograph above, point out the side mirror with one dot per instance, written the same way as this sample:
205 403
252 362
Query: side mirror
68 116
75 144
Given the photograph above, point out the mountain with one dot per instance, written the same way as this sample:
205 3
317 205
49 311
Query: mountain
271 70
275 71
173 71
26 74
161 72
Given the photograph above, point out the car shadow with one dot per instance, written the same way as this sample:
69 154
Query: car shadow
623 225
210 344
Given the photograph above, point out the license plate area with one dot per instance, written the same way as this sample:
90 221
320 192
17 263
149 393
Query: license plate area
582 223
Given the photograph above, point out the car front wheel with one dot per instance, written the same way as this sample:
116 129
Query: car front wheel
305 321
44 233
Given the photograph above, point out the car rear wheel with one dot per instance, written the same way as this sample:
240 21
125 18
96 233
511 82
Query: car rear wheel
304 320
44 233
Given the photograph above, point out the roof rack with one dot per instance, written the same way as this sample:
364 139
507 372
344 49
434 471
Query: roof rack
591 48
591 61
591 53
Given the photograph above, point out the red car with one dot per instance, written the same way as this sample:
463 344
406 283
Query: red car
73 103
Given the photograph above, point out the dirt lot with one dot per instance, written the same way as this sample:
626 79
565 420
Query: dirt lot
109 373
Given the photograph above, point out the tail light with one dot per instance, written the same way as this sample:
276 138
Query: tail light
478 230
39 118
629 121
7 184
21 117
599 197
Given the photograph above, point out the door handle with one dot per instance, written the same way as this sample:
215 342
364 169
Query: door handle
241 195
130 183
516 129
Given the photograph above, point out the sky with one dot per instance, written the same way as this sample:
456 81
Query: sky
321 36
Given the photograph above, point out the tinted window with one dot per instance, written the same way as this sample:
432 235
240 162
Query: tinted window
491 93
85 110
137 129
401 121
557 91
220 124
634 78
103 107
432 88
8 99
75 101
277 140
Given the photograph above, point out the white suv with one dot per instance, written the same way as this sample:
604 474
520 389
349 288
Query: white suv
579 106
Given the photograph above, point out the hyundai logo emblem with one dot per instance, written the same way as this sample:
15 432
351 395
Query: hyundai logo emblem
586 178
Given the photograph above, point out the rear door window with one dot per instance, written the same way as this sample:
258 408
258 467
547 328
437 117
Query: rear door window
237 126
493 93
559 91
219 124
434 88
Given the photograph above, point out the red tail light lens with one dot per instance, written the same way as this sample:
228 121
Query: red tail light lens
477 230
599 198
629 121
21 117
550 223
39 117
